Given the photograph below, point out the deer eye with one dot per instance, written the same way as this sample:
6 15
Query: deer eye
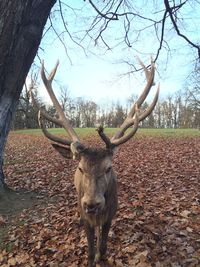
108 169
80 169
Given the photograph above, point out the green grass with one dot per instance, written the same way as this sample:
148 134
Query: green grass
170 132
110 131
59 131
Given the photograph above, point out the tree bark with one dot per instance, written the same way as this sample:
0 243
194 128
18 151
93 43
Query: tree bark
21 26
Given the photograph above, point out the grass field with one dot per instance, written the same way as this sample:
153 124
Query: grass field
110 131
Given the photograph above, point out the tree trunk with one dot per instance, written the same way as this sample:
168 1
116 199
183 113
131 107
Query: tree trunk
21 26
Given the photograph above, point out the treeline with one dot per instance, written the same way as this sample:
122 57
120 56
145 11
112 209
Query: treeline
176 111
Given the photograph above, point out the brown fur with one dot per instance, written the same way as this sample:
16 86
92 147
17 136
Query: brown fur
94 163
96 184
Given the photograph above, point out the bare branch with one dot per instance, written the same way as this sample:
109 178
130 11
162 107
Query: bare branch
109 15
170 11
60 39
162 36
66 29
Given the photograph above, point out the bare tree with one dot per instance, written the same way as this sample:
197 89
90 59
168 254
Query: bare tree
192 94
89 114
65 99
25 115
119 115
193 90
78 104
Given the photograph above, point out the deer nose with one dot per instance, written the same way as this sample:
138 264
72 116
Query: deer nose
92 208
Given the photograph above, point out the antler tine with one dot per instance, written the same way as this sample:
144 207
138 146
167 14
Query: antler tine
147 72
104 137
150 80
150 108
62 117
124 138
141 116
49 135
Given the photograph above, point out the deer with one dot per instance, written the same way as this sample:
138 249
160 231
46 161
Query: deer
95 179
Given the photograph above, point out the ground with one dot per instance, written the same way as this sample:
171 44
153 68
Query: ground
158 219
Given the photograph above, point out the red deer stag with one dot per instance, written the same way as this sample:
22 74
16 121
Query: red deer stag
95 179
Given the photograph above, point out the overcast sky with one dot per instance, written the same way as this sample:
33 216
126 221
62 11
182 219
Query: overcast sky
99 76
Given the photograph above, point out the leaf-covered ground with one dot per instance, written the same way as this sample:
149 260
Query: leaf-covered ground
158 219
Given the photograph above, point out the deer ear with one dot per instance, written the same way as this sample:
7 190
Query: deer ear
65 151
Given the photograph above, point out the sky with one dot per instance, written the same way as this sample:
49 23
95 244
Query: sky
100 75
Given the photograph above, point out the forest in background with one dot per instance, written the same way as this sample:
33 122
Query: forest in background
178 110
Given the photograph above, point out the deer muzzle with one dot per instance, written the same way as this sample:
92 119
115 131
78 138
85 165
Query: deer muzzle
93 207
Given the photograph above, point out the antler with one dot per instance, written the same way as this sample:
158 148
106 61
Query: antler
62 120
135 115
